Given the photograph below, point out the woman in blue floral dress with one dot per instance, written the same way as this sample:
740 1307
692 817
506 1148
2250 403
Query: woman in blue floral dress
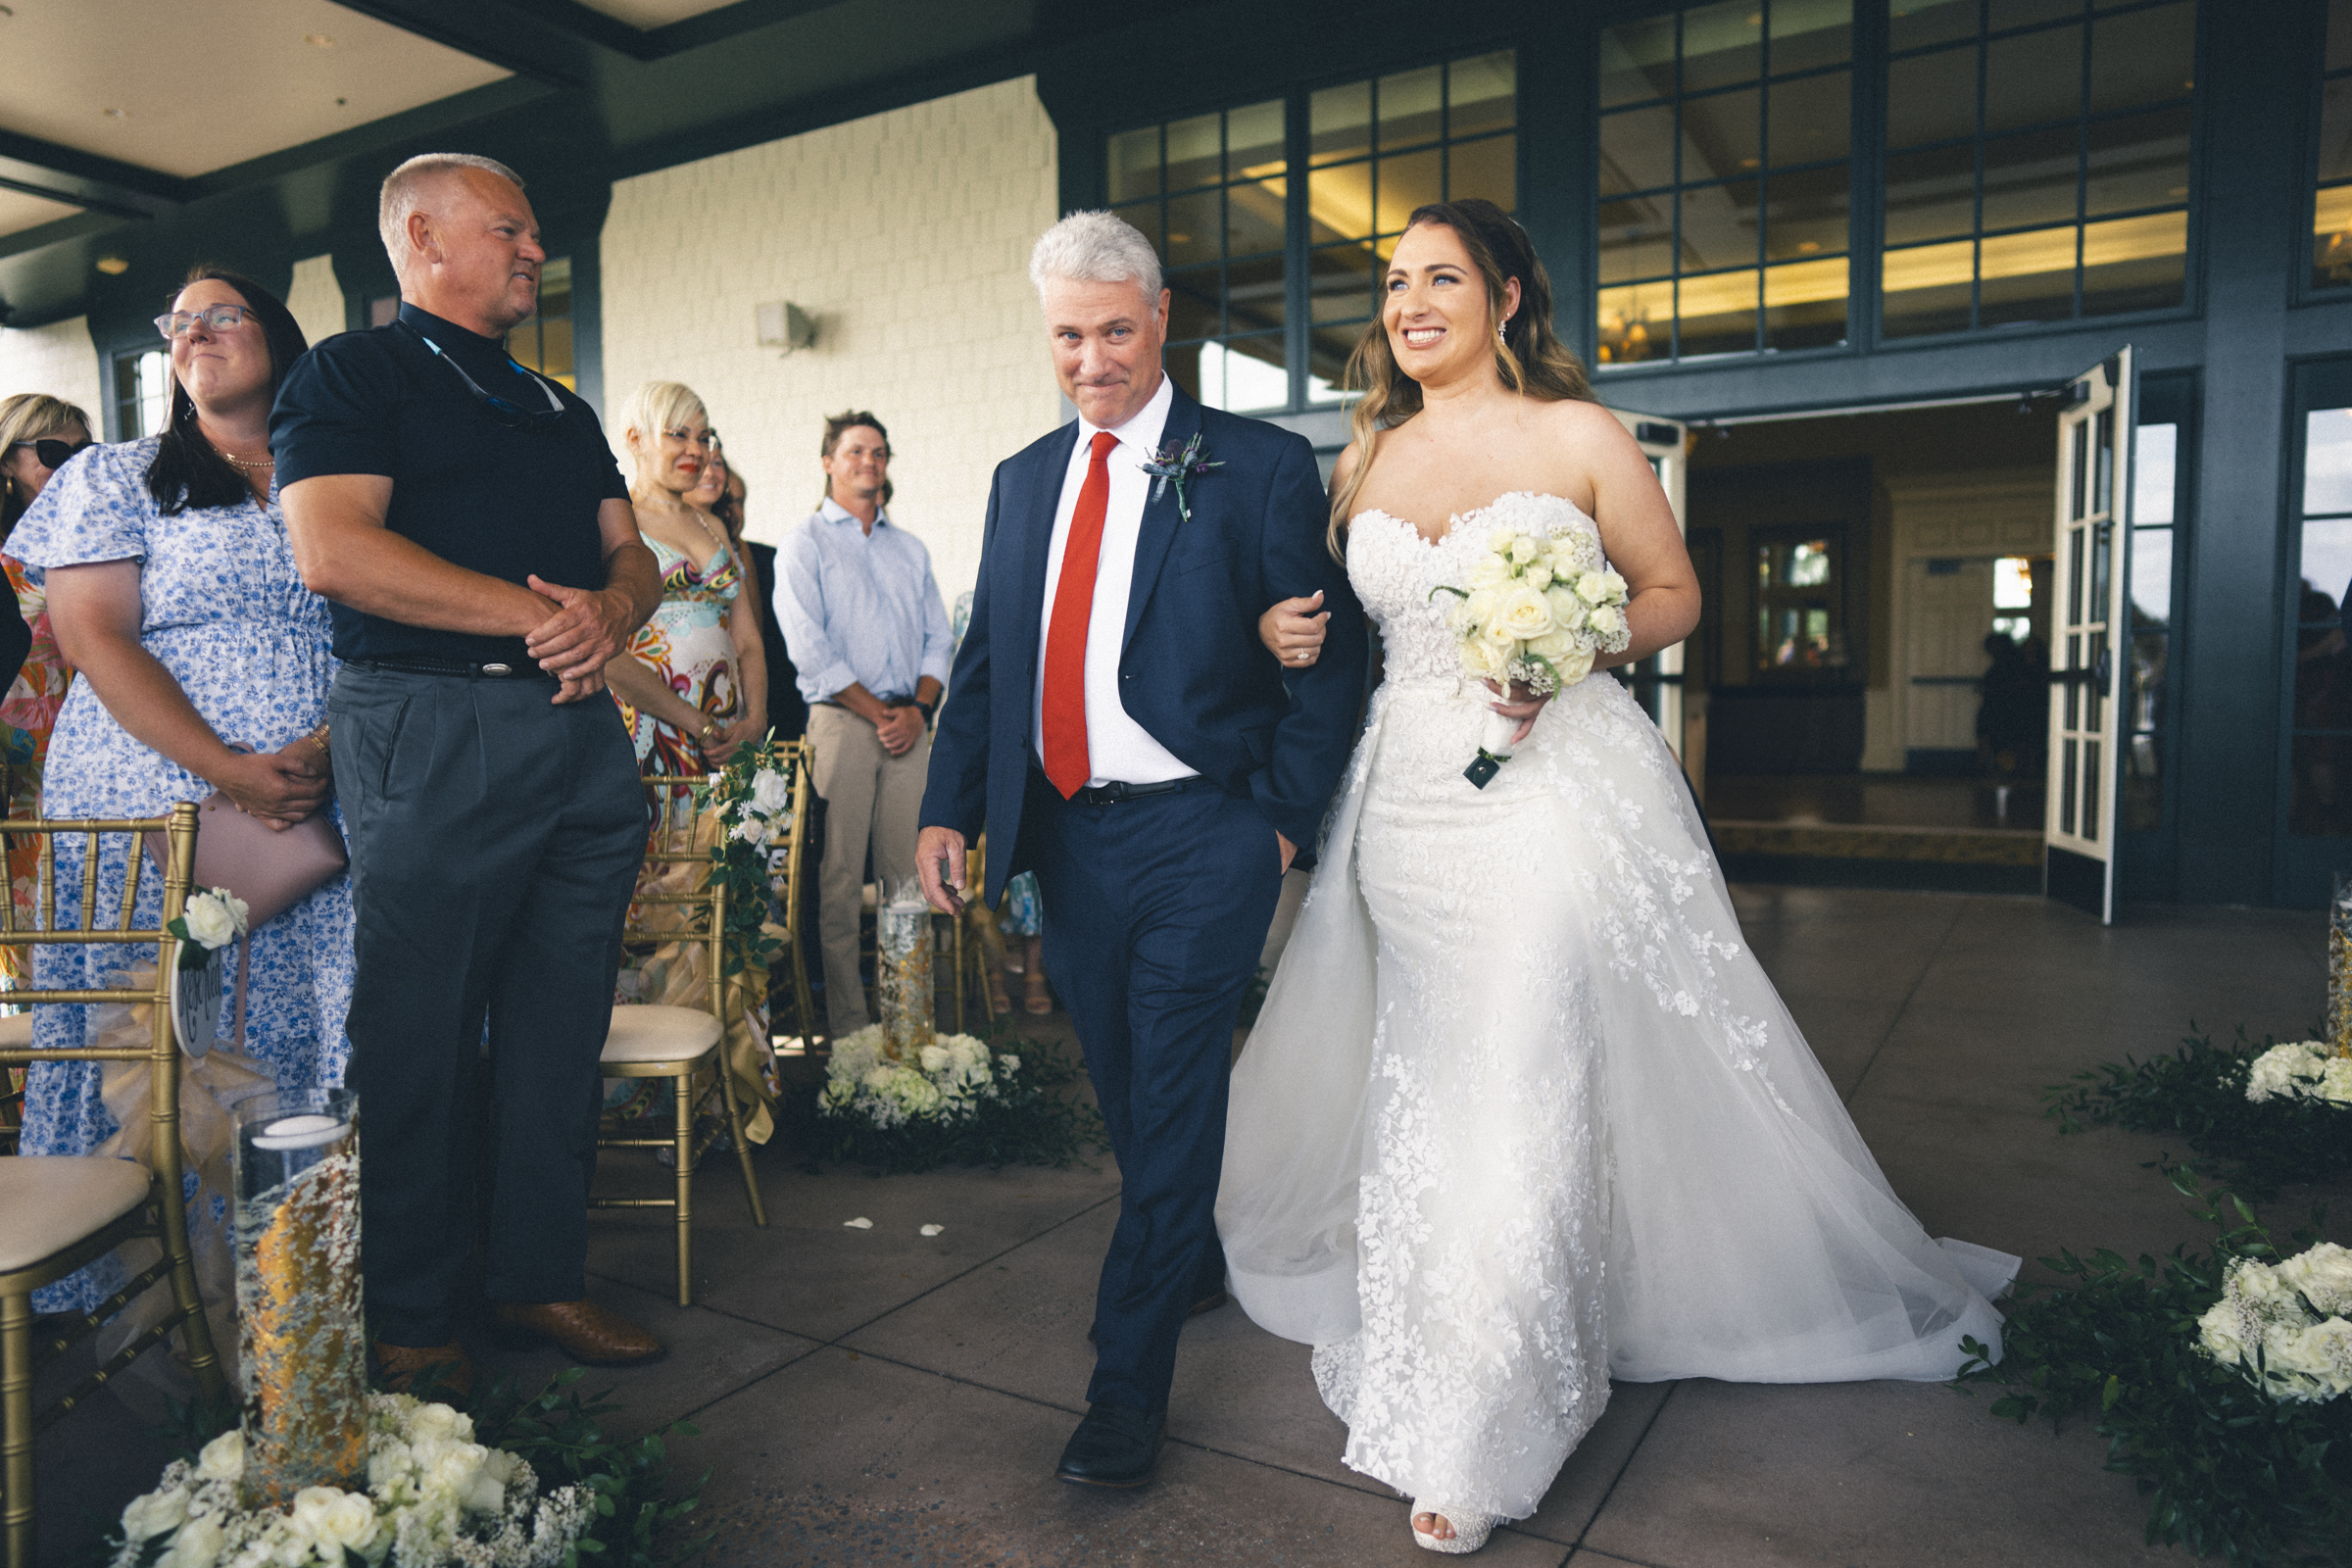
175 593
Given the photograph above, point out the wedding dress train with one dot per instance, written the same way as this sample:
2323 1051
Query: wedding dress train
1521 1113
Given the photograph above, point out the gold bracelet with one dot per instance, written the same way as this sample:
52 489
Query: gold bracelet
320 735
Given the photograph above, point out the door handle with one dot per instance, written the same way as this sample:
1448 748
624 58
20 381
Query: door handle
2106 669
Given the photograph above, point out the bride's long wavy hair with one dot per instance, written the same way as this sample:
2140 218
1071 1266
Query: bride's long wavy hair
1529 356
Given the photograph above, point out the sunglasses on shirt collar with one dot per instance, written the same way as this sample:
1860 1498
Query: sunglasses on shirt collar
513 416
53 453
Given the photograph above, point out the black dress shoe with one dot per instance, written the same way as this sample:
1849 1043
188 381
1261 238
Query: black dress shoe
1116 1445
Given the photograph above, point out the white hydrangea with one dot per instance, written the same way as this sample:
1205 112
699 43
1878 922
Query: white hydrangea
2283 1326
435 1497
947 1081
2300 1069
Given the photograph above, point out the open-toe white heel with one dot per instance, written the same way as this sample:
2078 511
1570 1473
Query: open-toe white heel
1470 1530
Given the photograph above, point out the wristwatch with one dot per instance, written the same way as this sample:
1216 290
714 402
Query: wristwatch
930 711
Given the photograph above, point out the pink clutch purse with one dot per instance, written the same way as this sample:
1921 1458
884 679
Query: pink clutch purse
270 872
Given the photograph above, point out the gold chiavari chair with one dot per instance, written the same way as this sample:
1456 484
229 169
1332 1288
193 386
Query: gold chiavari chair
795 880
60 1212
679 900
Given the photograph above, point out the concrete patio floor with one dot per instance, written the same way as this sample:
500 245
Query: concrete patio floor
871 1395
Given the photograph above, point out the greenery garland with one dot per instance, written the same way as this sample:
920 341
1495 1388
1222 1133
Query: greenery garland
1032 1120
2199 1092
751 798
2226 1468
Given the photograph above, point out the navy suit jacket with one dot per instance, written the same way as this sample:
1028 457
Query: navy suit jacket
1192 670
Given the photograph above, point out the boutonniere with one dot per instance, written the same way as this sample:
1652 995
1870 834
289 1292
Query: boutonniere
1180 467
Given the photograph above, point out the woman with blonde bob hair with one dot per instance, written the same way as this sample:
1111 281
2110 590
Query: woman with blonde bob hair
693 682
1519 1101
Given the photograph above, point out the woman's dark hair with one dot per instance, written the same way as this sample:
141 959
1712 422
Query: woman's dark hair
188 471
1529 356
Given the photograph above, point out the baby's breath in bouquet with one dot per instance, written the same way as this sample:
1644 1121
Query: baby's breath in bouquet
1539 609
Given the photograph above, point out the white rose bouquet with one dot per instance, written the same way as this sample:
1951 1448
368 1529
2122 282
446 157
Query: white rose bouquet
2301 1069
2283 1325
955 1075
209 922
1539 609
434 1496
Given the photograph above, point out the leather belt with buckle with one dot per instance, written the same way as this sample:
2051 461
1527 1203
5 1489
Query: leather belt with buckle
1112 793
458 669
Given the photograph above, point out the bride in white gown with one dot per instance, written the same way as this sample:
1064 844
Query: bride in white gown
1521 1113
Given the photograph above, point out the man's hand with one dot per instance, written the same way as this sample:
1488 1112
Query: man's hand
1290 850
900 728
588 629
939 856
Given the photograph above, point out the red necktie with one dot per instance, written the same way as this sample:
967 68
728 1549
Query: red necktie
1063 710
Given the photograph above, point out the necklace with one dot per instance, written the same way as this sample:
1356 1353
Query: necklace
244 467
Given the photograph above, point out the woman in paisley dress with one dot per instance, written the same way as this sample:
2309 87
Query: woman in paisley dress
31 424
204 665
693 684
1520 1102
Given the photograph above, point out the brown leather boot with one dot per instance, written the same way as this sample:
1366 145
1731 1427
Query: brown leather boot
581 1330
443 1373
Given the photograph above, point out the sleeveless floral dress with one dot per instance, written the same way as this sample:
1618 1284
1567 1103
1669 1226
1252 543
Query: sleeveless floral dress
687 644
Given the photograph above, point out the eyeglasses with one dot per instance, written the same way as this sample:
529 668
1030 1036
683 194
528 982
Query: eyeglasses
54 455
707 439
513 416
174 324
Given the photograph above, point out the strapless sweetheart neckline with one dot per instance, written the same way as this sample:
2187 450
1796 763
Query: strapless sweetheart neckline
1455 521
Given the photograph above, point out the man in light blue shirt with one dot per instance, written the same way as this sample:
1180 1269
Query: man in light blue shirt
868 635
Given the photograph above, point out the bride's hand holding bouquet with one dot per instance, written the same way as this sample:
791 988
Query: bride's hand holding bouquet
1539 609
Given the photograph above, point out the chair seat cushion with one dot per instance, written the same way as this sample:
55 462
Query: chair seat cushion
651 1032
50 1202
16 1032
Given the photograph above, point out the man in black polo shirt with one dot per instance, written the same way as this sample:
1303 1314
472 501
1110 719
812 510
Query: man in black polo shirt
466 518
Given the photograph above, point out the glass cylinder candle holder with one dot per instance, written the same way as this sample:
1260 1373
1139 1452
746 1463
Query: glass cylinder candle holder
902 964
299 1321
2339 965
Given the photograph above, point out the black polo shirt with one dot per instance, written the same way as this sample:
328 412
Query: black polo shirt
506 503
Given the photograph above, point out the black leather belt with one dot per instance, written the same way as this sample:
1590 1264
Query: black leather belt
1115 790
886 702
459 668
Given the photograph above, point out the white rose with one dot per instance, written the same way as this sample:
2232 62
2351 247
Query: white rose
1615 585
210 923
1608 623
1566 607
1483 659
1525 616
880 1077
936 1058
2335 1080
968 1051
772 790
155 1513
442 1422
1490 571
1593 588
1525 549
1575 667
222 1459
198 1544
1554 647
1479 609
751 830
1538 575
348 1521
2217 1331
2324 1275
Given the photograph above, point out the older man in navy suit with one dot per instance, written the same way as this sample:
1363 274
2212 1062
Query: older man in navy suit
1116 725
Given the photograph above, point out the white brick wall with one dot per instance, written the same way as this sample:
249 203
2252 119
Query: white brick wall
906 236
58 358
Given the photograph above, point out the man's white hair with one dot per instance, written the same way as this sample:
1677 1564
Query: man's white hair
1095 248
405 190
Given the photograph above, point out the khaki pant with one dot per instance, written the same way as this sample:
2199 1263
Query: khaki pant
870 796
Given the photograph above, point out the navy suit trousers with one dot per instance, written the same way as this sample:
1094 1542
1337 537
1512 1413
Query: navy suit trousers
1156 910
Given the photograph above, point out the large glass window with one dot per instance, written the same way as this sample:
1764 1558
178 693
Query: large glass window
2155 483
1724 179
2319 803
542 340
142 392
2038 159
1270 285
2331 206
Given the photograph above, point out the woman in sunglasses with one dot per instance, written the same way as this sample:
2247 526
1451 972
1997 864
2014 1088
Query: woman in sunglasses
203 666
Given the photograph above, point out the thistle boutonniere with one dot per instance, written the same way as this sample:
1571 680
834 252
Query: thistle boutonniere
1180 467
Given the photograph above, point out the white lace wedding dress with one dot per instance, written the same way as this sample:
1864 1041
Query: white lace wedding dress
1521 1111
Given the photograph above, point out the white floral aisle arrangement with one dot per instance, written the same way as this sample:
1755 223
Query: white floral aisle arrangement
949 1081
435 1499
1538 611
2283 1325
2300 1069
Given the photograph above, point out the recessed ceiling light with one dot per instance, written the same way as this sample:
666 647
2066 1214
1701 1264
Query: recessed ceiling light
319 40
112 265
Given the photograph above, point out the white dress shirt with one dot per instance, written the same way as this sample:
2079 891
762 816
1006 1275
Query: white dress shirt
1117 748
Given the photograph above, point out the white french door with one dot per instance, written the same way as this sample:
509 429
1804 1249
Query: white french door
2093 545
1659 679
